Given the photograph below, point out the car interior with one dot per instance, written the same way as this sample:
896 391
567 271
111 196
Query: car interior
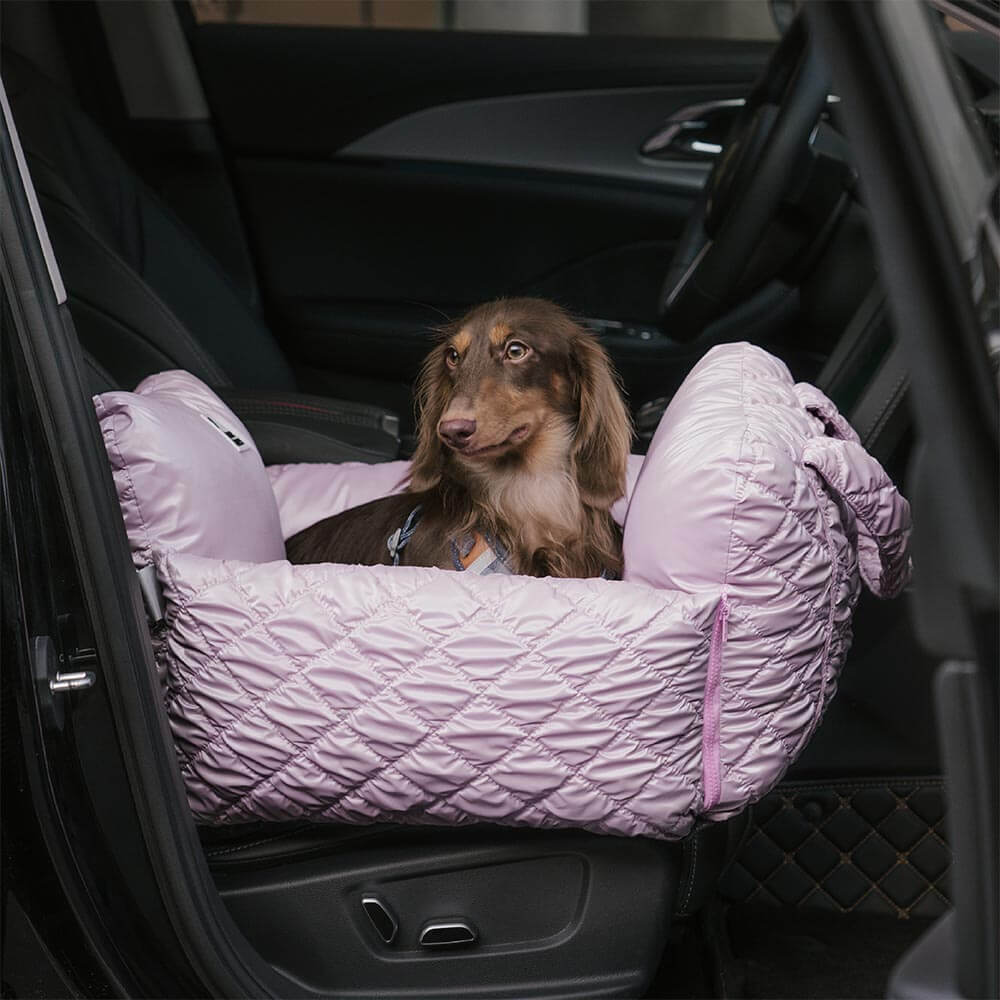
291 211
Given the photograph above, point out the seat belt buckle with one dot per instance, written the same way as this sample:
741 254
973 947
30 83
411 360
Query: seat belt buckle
152 595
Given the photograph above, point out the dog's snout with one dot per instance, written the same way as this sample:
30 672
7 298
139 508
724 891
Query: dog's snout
456 432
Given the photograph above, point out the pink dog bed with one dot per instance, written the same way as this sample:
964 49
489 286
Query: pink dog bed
634 707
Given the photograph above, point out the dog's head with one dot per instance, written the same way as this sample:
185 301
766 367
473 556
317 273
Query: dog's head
517 383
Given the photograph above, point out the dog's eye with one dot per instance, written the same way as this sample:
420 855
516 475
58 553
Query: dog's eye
516 350
452 357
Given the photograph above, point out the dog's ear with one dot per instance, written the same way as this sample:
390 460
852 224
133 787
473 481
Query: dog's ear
604 428
430 397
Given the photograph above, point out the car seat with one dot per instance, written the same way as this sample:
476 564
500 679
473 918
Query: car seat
145 296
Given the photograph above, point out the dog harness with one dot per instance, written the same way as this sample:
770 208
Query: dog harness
472 553
476 552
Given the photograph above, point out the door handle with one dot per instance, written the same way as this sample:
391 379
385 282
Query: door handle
697 132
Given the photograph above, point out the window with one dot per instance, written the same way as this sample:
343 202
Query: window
747 19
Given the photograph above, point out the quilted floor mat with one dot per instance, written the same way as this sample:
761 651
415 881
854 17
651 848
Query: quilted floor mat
874 846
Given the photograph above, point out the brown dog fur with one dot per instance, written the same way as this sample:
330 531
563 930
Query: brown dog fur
540 470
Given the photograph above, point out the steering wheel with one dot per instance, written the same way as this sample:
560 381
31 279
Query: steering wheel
763 156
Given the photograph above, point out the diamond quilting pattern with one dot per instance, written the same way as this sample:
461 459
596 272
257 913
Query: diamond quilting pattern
365 722
871 846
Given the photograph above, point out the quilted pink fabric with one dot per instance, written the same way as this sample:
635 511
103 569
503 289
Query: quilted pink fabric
357 694
363 694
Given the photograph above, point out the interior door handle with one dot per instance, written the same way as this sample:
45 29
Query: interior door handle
698 132
695 132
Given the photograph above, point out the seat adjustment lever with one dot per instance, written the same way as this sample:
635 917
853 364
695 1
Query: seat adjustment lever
448 934
381 917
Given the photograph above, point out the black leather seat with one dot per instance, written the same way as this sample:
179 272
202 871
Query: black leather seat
145 296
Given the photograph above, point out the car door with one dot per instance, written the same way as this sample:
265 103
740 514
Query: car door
397 163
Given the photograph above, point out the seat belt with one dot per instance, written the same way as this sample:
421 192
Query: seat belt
874 404
879 416
845 375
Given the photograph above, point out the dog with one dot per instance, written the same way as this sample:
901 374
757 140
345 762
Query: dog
522 444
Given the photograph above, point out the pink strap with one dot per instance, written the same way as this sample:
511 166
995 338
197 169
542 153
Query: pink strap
882 514
821 406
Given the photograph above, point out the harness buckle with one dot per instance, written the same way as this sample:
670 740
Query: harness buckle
392 544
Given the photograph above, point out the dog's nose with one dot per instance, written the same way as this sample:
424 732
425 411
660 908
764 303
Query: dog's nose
456 432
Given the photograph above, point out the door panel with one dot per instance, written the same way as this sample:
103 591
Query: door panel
390 179
311 91
433 232
596 133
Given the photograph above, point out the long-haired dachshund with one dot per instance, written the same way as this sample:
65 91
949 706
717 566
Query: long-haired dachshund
522 444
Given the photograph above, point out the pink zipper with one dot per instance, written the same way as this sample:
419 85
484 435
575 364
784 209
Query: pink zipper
711 771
